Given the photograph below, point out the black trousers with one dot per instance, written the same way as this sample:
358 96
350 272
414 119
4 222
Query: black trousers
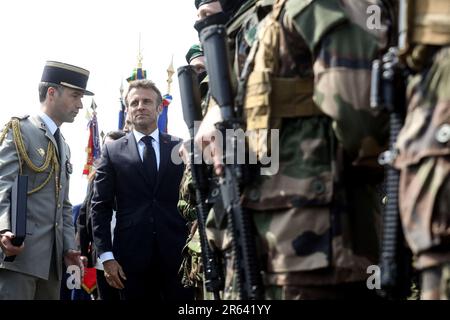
155 283
105 291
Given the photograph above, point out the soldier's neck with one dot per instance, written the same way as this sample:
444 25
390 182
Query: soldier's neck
45 110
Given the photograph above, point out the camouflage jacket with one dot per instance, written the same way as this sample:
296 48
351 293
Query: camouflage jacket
424 161
241 31
317 217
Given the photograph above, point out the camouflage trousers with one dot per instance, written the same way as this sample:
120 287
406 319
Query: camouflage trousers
435 283
347 291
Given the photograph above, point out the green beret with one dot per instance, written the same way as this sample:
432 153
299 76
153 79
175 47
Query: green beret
199 3
194 52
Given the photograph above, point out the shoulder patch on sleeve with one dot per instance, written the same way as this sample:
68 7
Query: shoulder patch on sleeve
314 18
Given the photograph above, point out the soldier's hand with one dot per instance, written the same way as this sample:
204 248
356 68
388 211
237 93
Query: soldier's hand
114 274
184 154
7 247
209 139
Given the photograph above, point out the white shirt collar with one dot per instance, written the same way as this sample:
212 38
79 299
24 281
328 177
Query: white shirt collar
138 135
51 125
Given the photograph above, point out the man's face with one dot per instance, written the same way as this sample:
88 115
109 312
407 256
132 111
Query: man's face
142 108
208 9
66 104
198 64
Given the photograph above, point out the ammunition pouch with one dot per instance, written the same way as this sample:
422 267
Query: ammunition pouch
430 21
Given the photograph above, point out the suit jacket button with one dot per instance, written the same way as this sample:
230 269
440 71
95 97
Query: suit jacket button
56 225
59 205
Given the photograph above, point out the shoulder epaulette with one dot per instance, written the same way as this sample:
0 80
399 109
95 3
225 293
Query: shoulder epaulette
23 117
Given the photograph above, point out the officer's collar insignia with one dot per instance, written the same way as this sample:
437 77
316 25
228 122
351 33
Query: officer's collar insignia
41 152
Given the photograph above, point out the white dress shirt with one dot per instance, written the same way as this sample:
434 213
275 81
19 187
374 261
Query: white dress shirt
105 256
51 125
141 145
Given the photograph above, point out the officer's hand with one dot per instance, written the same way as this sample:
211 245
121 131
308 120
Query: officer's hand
73 257
209 139
114 274
84 261
8 248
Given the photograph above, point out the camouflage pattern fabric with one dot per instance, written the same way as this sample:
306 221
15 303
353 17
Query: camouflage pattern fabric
318 217
241 31
424 161
191 268
435 283
186 204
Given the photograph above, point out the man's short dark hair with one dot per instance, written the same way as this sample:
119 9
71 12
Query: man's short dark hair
144 84
43 87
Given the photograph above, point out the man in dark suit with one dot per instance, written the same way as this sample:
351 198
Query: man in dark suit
137 172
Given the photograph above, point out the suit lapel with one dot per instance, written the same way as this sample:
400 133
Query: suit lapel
132 149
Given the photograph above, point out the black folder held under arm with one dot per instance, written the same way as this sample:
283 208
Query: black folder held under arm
18 212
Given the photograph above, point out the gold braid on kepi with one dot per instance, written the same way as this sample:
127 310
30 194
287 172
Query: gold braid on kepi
51 158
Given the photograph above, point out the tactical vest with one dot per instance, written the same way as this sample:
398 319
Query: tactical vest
269 98
429 21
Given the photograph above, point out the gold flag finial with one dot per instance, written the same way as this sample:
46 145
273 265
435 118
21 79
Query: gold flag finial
170 72
93 106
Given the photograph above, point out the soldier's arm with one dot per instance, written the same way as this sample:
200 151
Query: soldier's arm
343 51
9 169
186 202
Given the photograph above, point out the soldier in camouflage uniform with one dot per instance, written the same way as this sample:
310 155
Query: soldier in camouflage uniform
317 217
191 266
424 147
243 19
241 30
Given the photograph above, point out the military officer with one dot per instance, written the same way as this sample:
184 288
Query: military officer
33 146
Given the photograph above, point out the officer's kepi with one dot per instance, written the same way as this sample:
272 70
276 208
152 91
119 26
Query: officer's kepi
66 75
199 3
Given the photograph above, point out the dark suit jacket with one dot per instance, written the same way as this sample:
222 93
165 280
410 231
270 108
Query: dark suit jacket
84 227
148 222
